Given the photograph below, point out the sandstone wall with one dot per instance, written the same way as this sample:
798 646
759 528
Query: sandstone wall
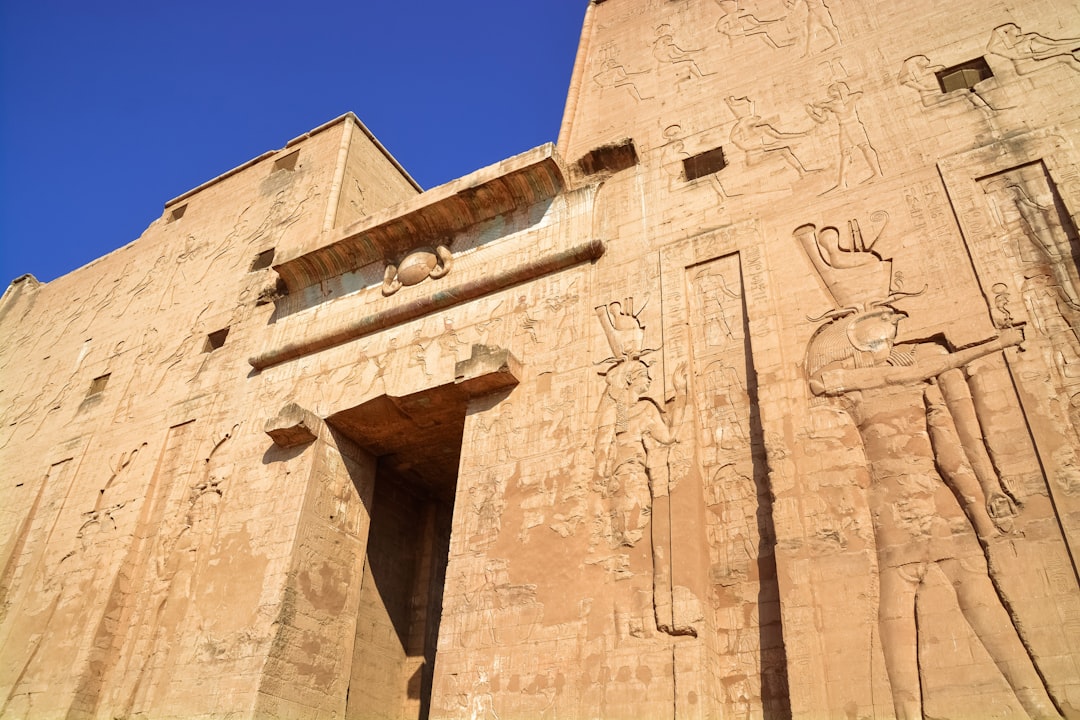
753 397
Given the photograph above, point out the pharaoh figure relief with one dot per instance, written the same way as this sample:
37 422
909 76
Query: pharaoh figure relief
934 496
634 469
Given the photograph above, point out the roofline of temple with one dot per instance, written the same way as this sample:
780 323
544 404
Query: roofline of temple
311 133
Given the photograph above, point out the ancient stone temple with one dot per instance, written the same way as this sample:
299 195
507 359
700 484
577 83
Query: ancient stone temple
757 395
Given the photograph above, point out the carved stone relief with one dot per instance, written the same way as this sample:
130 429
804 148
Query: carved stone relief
417 265
760 140
1039 236
1031 51
841 105
672 155
23 557
821 33
919 74
612 74
722 555
738 22
733 477
683 63
634 465
923 443
188 565
64 595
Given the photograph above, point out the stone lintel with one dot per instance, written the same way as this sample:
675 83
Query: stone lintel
294 336
490 368
293 426
430 218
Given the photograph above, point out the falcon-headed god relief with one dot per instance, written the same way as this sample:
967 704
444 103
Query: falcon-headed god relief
935 498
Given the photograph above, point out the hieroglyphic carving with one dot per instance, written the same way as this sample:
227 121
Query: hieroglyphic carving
177 281
841 104
1030 432
614 75
418 357
524 323
818 20
143 284
564 304
1000 312
167 367
63 595
275 223
180 558
672 155
450 341
179 566
760 140
364 376
733 475
737 22
920 434
634 463
920 75
1032 51
832 70
1037 233
45 506
117 465
148 348
500 434
683 62
848 265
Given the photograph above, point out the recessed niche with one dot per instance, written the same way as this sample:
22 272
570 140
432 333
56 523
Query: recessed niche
609 158
177 212
97 385
287 162
215 340
263 260
705 163
964 76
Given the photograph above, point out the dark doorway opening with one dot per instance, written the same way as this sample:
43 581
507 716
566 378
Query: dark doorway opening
417 440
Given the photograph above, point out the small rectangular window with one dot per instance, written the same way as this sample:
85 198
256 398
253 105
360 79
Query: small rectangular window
177 212
609 158
263 260
287 162
964 76
705 163
97 385
215 340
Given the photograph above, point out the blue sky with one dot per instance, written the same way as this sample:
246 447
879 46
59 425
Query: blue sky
108 109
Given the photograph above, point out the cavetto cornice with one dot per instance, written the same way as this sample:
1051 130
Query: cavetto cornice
431 218
372 275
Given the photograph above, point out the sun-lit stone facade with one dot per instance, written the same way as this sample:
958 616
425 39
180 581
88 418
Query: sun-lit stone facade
756 395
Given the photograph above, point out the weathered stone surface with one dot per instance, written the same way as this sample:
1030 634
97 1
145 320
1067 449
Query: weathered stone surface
756 396
292 426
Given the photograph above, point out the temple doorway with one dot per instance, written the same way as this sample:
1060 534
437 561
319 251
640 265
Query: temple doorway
417 440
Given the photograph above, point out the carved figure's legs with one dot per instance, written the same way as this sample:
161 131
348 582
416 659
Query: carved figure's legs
816 21
632 503
899 639
953 463
661 572
995 629
789 157
961 404
870 154
845 158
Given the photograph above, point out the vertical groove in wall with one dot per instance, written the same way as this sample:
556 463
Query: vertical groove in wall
339 176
